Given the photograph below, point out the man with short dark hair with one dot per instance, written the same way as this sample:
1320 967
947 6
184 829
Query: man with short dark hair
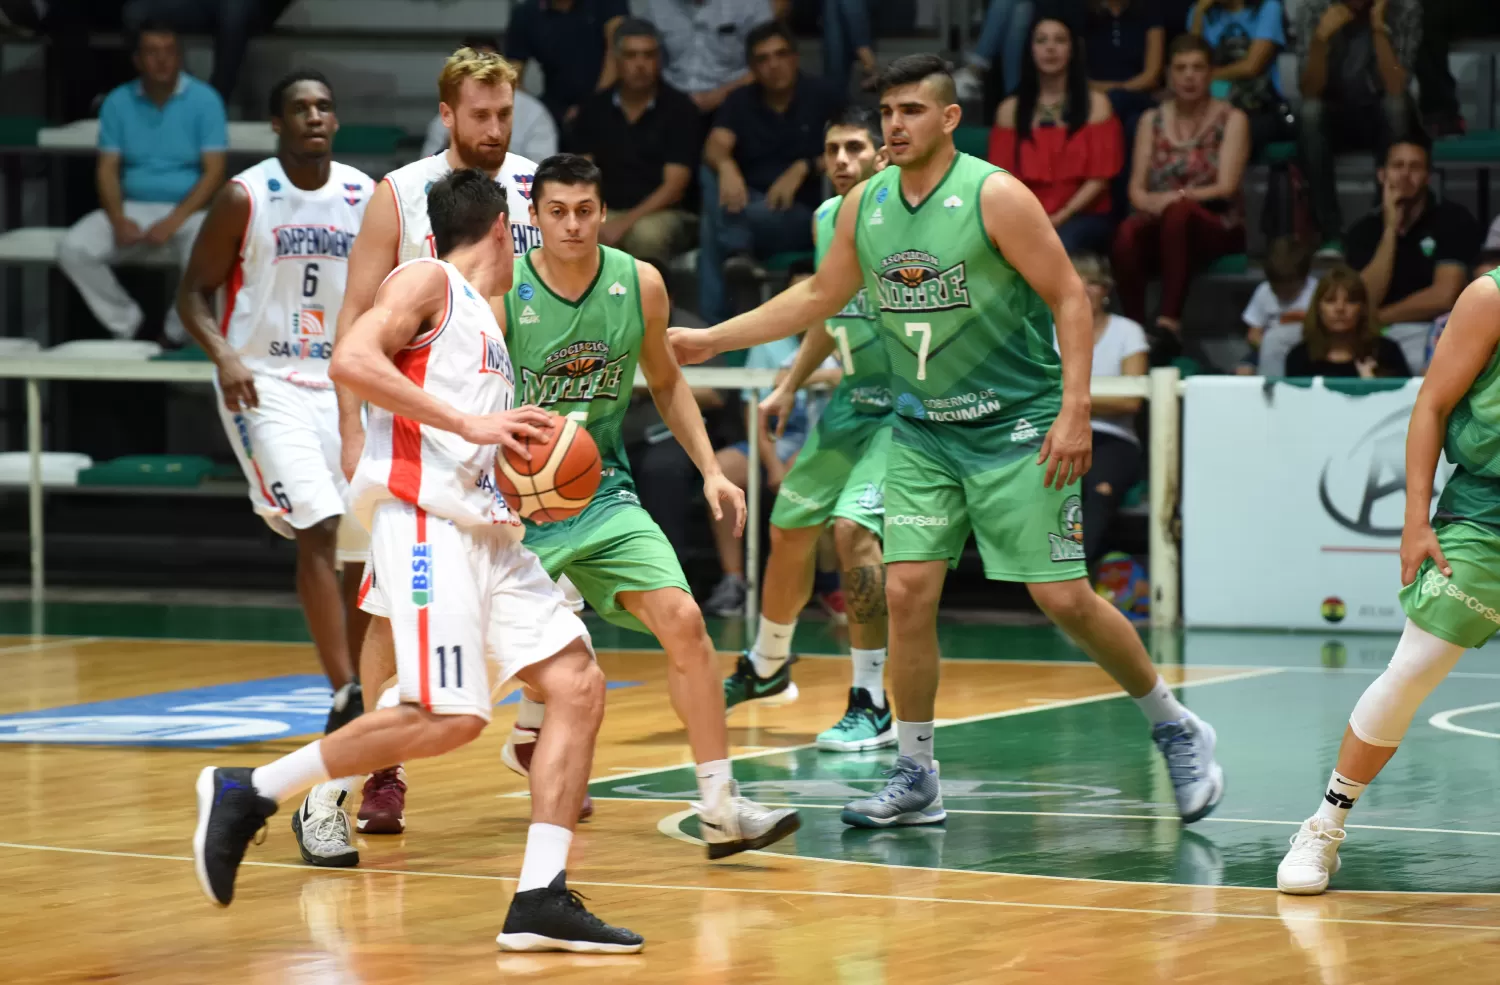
570 40
1415 251
162 140
762 164
644 135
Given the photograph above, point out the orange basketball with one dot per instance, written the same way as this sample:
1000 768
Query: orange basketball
559 480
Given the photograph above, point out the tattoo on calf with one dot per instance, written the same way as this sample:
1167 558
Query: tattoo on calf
864 593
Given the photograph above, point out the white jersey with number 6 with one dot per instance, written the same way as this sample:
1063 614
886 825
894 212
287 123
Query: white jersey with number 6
460 359
284 292
411 183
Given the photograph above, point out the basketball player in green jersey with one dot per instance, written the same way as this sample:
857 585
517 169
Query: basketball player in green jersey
1450 568
839 476
579 319
991 429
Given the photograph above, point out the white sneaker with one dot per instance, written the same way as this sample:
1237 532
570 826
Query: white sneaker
1314 857
737 824
322 828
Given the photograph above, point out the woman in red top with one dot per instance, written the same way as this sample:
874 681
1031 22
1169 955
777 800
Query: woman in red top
1189 160
1061 139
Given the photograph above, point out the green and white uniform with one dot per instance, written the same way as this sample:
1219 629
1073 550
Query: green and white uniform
975 383
578 358
1465 609
840 471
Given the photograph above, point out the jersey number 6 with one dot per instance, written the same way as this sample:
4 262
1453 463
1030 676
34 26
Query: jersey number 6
310 280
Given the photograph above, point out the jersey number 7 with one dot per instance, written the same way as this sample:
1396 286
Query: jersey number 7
925 330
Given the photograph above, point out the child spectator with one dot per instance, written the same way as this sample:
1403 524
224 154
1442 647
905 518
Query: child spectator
1273 318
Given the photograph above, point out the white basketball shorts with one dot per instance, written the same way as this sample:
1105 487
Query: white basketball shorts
460 599
288 448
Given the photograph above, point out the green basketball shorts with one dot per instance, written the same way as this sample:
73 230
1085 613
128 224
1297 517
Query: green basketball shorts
944 480
1463 609
840 472
620 549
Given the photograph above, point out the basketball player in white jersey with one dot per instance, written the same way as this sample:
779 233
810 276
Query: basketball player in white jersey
476 90
277 242
461 591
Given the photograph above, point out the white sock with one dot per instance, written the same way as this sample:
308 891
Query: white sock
713 780
292 773
1161 705
773 645
529 714
546 855
1340 798
869 672
914 739
389 698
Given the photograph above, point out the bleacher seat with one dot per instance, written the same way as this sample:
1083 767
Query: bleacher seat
128 350
148 470
1481 146
780 263
19 348
39 244
59 468
972 140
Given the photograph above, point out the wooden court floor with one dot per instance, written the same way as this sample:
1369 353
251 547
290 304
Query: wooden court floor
1060 861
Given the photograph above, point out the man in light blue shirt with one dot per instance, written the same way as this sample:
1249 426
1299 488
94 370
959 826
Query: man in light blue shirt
705 44
162 141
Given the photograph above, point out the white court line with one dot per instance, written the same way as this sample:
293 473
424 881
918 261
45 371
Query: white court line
820 894
50 644
1444 720
669 826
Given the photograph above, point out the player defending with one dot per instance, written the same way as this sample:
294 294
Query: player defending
839 476
476 90
1450 569
431 361
990 429
579 318
277 239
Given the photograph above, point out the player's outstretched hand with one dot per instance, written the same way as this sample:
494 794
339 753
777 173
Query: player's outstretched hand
237 384
1418 543
509 428
1068 449
691 346
720 492
779 405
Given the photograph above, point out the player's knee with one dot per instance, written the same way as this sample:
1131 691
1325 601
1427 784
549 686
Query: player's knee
909 595
857 547
1066 602
444 733
682 620
321 537
581 691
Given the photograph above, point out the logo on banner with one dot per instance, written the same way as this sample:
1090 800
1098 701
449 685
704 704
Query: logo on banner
1334 609
1353 485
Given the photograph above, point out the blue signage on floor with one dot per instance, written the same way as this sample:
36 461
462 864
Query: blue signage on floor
220 715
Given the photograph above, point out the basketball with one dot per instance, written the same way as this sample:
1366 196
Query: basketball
559 480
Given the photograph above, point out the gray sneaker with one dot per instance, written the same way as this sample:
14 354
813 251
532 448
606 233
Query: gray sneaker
912 795
728 597
322 828
1197 780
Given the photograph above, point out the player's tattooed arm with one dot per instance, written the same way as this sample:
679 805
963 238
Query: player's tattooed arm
808 302
215 252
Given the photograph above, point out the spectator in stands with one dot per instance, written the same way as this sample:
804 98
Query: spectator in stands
1126 41
1341 336
570 40
1003 35
1188 161
232 23
1489 254
1120 349
1415 251
1356 58
1246 36
162 141
1273 318
533 132
1061 139
846 40
645 137
762 165
1442 22
705 42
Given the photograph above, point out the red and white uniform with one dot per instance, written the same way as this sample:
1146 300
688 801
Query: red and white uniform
446 562
281 306
412 182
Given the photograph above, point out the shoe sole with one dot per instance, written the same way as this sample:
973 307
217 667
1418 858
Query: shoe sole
536 942
1217 775
1310 890
782 828
381 826
911 818
345 861
880 741
785 697
205 792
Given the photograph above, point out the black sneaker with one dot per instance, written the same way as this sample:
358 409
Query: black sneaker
745 685
348 704
555 919
230 815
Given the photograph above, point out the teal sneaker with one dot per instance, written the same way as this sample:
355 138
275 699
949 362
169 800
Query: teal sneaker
745 685
863 726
